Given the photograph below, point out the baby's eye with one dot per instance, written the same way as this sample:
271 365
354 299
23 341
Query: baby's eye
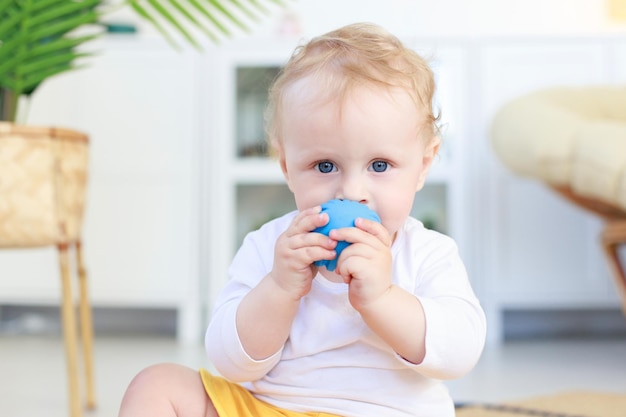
325 167
379 166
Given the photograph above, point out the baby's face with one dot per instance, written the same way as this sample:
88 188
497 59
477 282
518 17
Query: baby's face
366 148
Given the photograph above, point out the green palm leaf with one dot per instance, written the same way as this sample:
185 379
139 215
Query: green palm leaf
38 38
212 17
36 43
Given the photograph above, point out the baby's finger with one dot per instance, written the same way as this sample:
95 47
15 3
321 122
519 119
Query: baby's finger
350 235
308 220
374 228
308 240
357 235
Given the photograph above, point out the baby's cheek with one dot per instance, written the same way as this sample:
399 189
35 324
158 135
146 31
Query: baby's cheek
392 228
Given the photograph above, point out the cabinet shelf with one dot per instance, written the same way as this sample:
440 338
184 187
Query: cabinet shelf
257 170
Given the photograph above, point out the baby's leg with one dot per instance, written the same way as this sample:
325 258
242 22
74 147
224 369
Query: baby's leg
167 390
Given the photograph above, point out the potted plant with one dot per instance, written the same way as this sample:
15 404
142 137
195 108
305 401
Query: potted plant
43 170
43 38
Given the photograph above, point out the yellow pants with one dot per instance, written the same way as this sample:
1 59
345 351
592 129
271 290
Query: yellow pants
232 400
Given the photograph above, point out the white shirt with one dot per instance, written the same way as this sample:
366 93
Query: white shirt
332 362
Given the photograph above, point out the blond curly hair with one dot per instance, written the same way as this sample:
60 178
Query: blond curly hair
354 55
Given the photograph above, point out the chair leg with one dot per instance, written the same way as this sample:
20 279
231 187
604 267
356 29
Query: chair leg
613 236
69 332
86 327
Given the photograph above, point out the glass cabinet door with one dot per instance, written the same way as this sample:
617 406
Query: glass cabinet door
252 84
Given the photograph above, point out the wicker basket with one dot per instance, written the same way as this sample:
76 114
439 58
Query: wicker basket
43 179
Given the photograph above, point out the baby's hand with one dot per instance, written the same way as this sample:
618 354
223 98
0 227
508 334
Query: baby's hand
296 250
366 264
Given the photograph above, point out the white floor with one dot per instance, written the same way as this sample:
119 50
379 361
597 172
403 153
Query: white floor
32 371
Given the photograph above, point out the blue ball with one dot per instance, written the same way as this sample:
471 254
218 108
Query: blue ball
342 213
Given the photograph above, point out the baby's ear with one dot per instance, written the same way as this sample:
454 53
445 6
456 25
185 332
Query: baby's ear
430 152
432 149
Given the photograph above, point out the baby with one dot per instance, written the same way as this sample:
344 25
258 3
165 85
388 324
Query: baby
350 118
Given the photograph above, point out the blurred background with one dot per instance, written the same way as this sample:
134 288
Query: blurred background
179 174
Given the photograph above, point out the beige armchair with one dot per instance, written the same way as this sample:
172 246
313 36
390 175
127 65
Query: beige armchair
573 140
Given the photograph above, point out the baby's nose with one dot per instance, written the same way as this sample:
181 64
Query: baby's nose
353 189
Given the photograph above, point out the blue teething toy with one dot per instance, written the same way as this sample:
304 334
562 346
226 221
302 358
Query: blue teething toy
342 213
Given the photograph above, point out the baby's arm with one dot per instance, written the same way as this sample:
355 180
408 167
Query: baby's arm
394 314
265 314
441 327
398 318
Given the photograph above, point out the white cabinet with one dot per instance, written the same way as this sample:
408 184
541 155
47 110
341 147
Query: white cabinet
242 187
250 186
136 101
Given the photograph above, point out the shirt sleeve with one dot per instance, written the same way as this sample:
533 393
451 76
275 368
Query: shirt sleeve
455 321
226 352
222 343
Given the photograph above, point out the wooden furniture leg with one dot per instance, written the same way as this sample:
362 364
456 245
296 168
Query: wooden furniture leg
69 331
86 323
614 236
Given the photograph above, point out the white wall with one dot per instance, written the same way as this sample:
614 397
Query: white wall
437 18
457 17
